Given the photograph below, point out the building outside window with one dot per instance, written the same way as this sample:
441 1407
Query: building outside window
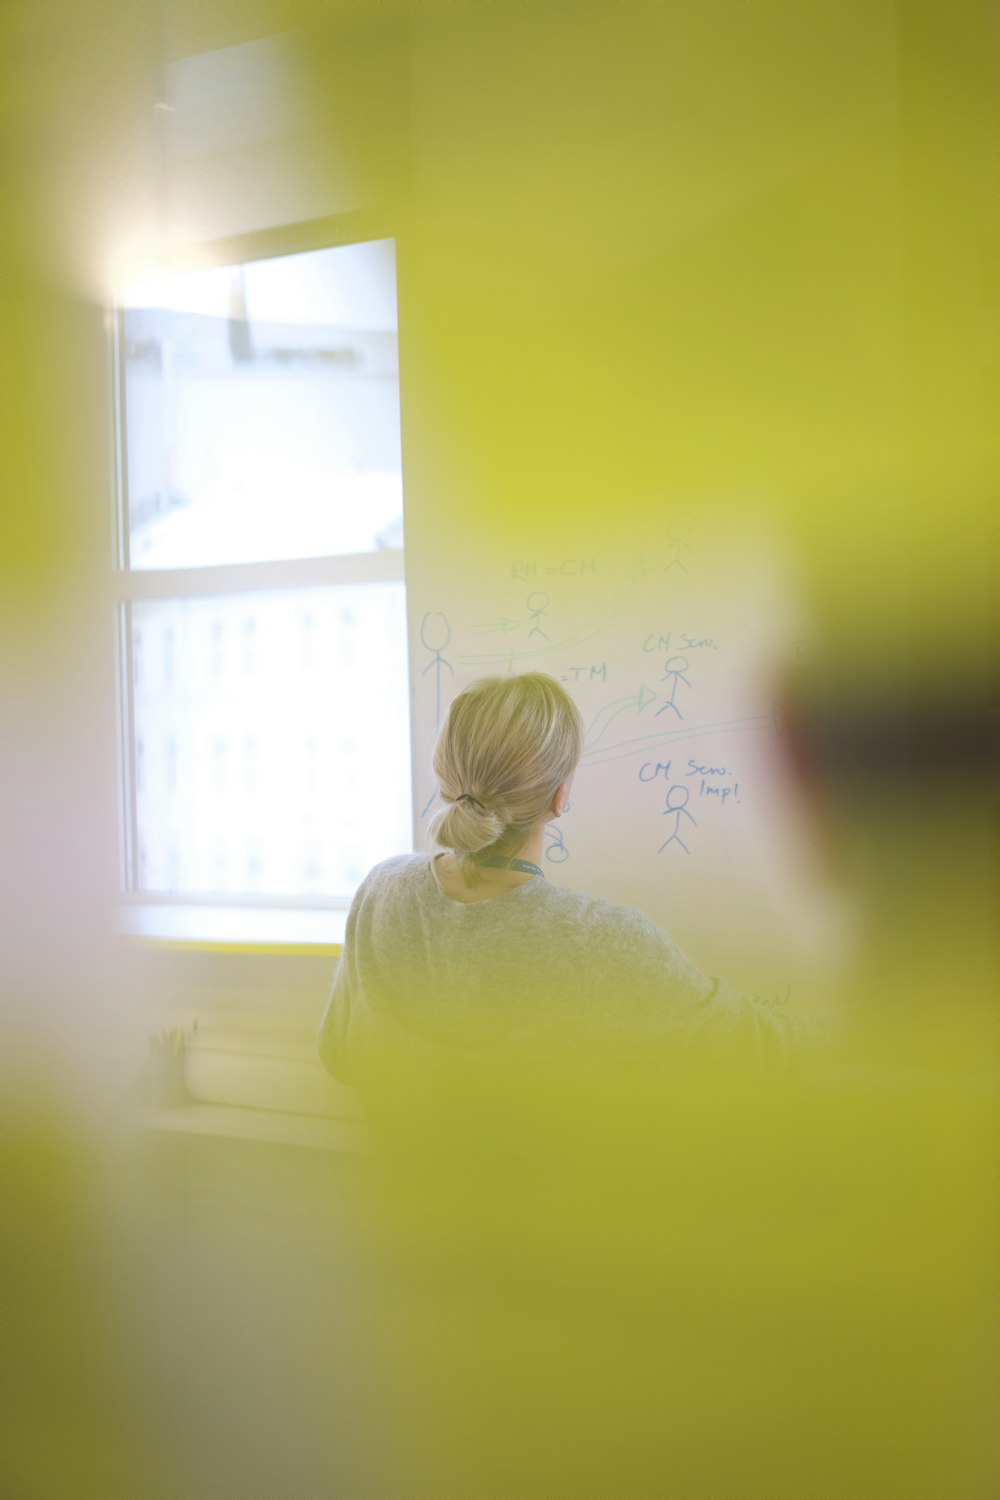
259 578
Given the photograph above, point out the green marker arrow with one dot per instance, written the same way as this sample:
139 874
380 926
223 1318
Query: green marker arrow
610 711
505 625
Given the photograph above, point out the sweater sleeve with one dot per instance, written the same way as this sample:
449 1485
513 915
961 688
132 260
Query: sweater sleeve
709 1013
734 1021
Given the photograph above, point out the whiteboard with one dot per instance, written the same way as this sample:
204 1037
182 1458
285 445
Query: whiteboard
676 646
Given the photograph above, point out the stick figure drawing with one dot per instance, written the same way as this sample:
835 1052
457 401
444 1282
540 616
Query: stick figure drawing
677 808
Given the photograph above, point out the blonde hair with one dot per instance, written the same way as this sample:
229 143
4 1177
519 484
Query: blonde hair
504 751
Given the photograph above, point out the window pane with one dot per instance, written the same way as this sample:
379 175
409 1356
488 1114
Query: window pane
271 740
262 411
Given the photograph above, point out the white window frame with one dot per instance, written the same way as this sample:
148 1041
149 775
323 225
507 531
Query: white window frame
244 920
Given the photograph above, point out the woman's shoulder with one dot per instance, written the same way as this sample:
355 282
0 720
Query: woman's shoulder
602 918
397 871
399 864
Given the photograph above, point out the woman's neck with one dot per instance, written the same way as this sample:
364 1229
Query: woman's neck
490 881
531 850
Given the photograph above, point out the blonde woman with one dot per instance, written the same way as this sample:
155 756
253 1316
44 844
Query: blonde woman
473 946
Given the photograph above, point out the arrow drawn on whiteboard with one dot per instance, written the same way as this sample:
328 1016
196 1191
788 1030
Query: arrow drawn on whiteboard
610 711
429 803
584 633
504 625
625 748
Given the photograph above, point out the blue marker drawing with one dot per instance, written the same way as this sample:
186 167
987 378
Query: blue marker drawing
557 851
585 632
677 810
429 803
537 603
675 666
437 661
641 743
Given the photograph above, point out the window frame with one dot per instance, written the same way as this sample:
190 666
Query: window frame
182 917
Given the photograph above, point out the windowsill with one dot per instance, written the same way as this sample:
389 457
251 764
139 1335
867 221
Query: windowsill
272 1127
313 929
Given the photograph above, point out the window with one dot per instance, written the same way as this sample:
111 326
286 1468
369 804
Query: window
259 576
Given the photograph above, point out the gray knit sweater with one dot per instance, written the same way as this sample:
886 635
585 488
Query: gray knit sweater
539 963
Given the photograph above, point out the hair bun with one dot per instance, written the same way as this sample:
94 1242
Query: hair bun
467 825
